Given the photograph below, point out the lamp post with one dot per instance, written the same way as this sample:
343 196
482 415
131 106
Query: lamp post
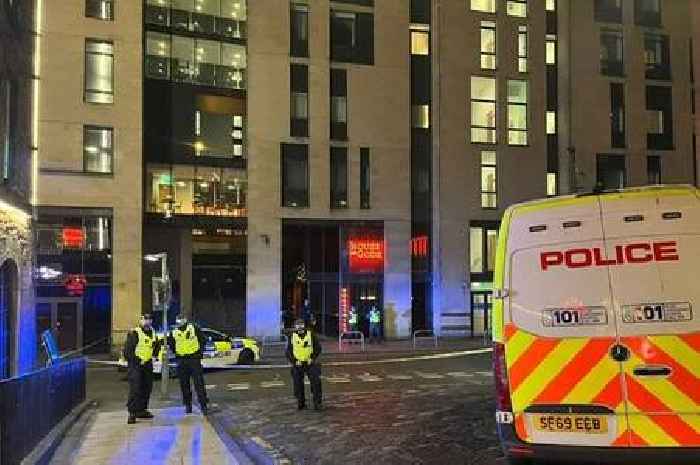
162 283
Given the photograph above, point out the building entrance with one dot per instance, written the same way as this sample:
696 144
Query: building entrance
64 316
9 276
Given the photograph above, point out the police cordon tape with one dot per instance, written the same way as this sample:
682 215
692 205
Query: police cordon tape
417 358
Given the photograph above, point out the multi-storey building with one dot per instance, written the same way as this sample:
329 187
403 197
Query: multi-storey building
17 92
314 156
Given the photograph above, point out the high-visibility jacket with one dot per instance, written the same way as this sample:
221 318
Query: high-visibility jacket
144 347
302 348
186 342
374 316
353 318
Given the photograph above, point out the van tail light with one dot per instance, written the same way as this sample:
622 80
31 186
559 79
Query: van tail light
500 371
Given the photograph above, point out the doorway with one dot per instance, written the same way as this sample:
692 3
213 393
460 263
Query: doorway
64 316
9 295
481 312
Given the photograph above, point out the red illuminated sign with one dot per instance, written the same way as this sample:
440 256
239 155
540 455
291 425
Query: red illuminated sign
419 246
344 309
75 285
631 253
366 255
73 238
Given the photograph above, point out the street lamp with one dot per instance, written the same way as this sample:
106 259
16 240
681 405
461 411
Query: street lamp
162 284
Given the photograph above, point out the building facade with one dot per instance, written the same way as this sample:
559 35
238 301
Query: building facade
88 227
18 341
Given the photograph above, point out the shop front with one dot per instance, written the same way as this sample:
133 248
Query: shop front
331 269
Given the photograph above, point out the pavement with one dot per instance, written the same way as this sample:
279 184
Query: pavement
389 405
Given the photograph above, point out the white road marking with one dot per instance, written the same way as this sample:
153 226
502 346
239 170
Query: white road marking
210 387
369 378
460 374
429 375
238 387
338 380
484 373
400 377
272 384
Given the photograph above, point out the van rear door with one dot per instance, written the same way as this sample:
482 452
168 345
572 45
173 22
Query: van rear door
656 296
560 330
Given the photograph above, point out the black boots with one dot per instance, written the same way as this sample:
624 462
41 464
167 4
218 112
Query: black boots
188 409
131 420
301 405
205 410
318 406
146 415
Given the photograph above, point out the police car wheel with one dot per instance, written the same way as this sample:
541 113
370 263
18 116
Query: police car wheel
246 357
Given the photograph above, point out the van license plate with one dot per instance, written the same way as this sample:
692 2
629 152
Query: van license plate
587 424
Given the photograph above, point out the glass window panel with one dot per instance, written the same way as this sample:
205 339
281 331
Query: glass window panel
99 68
208 51
234 56
517 137
517 117
551 184
488 36
484 114
420 42
488 179
517 91
420 116
491 245
300 107
551 50
551 5
488 6
516 8
476 250
339 109
551 122
98 149
234 9
209 7
483 88
483 136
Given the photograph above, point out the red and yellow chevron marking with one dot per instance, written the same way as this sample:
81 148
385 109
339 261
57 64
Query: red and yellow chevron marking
663 412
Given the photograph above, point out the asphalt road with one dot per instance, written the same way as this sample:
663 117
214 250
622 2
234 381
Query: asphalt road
437 411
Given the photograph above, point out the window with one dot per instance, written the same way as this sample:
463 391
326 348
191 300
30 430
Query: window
551 122
295 175
483 110
608 11
611 172
223 18
551 5
611 53
517 8
352 37
237 135
420 116
299 35
489 185
219 128
517 112
483 240
6 126
487 6
98 149
339 177
488 45
299 104
659 105
657 57
551 49
653 169
522 49
100 9
551 184
365 178
339 104
99 71
420 39
617 115
647 12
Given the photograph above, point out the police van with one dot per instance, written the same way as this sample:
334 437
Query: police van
596 327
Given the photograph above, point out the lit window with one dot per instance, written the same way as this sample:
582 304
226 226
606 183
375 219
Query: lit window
611 53
420 116
551 5
522 49
483 110
517 8
100 9
488 45
98 149
487 6
489 185
420 40
476 250
551 49
551 122
551 184
99 71
517 112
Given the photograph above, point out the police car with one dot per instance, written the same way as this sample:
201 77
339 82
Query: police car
220 351
596 327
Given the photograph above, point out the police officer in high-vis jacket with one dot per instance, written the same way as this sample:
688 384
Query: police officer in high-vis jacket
187 343
139 350
303 350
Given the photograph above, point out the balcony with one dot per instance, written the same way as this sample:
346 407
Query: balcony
181 20
185 71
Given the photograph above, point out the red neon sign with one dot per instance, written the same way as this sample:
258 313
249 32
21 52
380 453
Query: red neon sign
75 285
73 238
419 246
366 255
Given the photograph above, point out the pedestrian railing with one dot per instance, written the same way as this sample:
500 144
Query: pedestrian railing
423 336
274 345
351 337
32 405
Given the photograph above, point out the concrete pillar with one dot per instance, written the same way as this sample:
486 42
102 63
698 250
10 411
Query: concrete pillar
264 285
185 270
127 265
397 279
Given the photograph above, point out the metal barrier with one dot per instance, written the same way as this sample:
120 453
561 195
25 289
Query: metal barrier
351 340
274 345
33 404
423 334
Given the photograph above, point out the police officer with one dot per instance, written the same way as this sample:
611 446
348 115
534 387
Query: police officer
187 343
352 319
303 350
375 320
141 345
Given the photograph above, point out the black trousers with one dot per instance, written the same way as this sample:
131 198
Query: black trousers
313 371
191 368
140 386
